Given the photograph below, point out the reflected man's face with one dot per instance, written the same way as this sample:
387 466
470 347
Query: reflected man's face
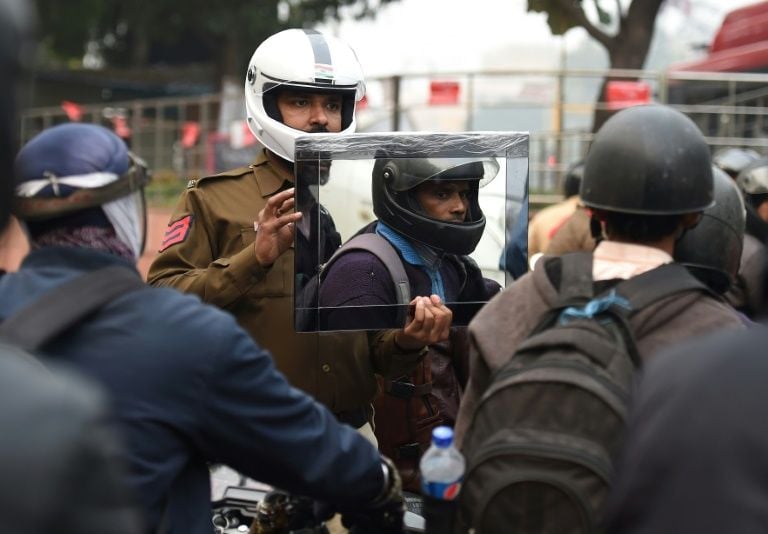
444 200
310 112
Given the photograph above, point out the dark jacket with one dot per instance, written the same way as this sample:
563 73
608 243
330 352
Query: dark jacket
188 387
359 281
696 453
58 458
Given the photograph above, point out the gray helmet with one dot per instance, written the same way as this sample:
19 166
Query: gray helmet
573 177
712 250
648 160
753 179
733 160
393 186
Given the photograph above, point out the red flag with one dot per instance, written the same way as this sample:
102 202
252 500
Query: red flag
74 111
120 125
190 132
621 94
443 93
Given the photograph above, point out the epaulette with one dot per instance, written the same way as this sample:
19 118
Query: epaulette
233 173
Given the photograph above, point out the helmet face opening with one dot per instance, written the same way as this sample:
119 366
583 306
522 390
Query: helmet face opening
447 224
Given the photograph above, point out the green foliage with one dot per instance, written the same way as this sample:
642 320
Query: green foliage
141 32
560 19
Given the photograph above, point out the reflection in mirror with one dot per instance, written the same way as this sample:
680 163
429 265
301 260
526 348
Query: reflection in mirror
410 225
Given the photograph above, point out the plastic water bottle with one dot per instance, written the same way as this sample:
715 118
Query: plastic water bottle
442 470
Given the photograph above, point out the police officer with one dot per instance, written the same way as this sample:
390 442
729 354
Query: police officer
230 238
640 207
547 222
188 385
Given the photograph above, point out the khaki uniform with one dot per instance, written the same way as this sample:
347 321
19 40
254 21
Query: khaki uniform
216 260
573 236
547 222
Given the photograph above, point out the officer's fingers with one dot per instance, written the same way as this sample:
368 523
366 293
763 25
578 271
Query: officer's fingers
288 218
428 323
288 205
443 320
276 201
418 312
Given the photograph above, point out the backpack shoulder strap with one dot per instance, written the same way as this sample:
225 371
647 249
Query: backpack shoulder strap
382 249
576 277
657 284
66 305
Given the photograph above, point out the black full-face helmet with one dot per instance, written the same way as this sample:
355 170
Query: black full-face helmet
394 183
648 160
712 250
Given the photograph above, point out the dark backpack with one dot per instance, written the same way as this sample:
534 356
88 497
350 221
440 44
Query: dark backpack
307 297
541 444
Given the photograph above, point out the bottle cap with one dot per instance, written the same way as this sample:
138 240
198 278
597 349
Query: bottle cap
442 436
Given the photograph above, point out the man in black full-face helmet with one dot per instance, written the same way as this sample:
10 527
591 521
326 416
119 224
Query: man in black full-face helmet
428 211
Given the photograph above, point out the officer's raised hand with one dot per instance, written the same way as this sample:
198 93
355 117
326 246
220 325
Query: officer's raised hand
275 227
429 322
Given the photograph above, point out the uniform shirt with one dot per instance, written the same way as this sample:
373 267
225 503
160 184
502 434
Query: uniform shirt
216 260
547 222
188 387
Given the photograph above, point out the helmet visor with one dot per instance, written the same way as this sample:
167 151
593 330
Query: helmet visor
340 84
405 174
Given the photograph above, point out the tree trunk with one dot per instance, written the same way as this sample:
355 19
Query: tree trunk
629 48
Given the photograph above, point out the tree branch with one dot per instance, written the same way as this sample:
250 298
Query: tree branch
577 13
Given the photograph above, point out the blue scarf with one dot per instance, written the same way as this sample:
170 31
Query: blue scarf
412 256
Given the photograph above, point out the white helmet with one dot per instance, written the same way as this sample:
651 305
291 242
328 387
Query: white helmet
304 59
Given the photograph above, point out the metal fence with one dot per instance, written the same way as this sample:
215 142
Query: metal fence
192 136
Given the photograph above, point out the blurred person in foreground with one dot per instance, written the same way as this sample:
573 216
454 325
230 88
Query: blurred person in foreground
58 459
696 453
187 385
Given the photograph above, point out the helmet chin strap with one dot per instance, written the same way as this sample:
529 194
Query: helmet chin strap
596 229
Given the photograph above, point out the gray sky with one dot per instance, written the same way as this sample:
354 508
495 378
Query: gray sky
413 36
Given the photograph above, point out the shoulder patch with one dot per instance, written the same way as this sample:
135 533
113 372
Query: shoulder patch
176 232
234 173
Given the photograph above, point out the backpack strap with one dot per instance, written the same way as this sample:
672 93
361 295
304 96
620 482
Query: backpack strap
382 249
657 284
66 305
576 277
